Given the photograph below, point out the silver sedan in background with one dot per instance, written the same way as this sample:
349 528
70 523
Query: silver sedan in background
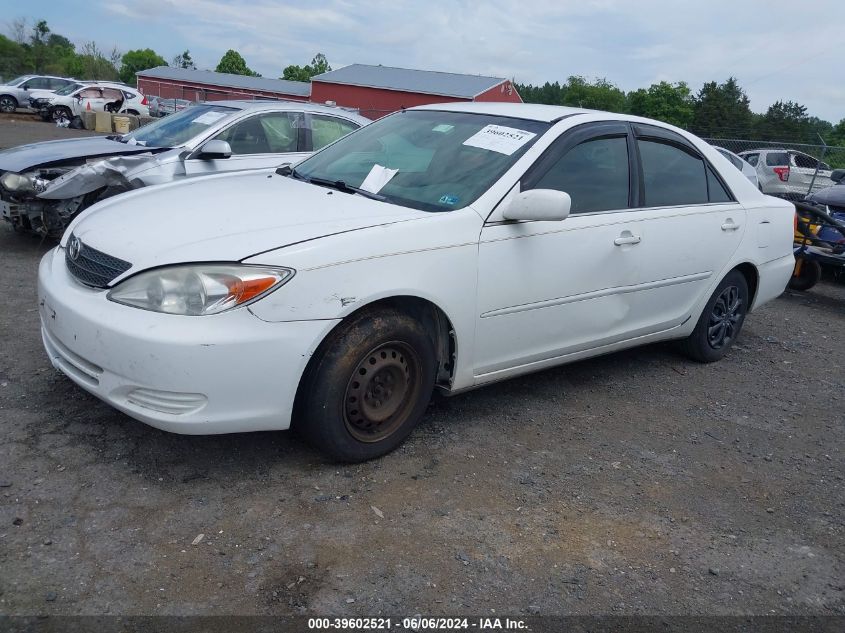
43 186
741 164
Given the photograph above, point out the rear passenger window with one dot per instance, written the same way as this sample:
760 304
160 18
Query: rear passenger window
326 129
806 162
594 174
716 189
671 176
777 159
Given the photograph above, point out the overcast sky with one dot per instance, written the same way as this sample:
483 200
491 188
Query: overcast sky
778 49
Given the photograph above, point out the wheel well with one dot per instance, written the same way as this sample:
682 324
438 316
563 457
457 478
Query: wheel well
436 323
749 271
10 97
133 112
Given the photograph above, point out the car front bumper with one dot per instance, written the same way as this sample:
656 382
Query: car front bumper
224 373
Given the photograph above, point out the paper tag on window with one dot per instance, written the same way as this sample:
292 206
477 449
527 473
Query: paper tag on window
498 138
377 178
209 117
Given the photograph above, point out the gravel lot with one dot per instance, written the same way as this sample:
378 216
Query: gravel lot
634 483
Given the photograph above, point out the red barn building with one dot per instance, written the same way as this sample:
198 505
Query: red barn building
204 85
379 90
373 90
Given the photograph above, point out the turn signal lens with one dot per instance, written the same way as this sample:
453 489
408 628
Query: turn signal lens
199 289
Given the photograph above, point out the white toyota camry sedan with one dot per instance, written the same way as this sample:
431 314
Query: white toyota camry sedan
442 247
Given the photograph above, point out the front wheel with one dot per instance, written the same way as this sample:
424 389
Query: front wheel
721 321
367 387
8 104
61 112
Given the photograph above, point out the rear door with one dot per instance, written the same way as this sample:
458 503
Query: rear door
89 98
691 226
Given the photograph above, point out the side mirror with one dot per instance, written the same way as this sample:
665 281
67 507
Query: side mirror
837 175
539 204
215 149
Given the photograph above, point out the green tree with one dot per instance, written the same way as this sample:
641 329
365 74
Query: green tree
318 66
137 60
233 63
722 110
671 103
837 135
13 58
578 92
184 60
785 121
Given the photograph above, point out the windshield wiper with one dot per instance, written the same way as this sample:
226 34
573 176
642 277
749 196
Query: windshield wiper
116 137
339 185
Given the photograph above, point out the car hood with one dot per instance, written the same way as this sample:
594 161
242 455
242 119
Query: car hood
76 150
834 195
226 217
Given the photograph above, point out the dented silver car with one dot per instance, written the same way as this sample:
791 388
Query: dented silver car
43 186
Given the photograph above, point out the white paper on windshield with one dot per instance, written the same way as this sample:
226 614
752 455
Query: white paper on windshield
209 117
499 138
377 178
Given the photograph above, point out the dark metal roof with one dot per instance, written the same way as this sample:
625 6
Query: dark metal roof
226 80
406 80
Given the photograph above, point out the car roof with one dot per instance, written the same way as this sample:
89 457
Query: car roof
279 104
532 111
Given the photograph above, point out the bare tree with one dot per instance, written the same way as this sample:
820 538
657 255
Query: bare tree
18 30
115 56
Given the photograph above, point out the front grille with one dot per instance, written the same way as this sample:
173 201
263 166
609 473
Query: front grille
93 267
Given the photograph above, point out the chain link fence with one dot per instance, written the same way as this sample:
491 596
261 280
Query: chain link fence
789 170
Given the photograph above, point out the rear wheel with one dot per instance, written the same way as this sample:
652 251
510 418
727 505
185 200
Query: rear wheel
805 275
367 387
8 103
721 321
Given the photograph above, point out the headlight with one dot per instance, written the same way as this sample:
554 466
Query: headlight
16 182
199 289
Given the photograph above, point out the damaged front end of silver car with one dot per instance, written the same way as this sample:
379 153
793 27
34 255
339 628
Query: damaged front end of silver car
45 200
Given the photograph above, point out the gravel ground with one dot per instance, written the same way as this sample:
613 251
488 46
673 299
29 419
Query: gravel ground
634 483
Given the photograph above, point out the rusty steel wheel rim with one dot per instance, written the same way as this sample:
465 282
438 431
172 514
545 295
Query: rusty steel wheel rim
382 391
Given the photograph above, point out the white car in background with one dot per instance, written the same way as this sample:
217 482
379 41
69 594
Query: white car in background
16 93
445 246
97 97
741 164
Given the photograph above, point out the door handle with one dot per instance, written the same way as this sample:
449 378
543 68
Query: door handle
627 239
730 225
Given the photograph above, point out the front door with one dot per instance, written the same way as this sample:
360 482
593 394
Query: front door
259 141
546 289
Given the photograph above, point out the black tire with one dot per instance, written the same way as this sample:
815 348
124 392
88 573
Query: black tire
811 273
8 103
720 322
133 112
61 112
367 386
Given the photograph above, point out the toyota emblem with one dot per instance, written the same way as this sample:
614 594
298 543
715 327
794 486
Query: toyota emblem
73 247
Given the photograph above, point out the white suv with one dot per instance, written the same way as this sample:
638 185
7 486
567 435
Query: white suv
97 97
15 93
788 173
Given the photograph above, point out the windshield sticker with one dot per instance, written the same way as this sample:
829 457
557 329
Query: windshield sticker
377 178
443 128
209 117
498 138
450 200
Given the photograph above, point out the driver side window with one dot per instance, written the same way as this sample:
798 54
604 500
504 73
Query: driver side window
269 133
594 173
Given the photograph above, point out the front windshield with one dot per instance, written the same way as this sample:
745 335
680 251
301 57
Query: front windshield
70 88
425 159
19 80
177 129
